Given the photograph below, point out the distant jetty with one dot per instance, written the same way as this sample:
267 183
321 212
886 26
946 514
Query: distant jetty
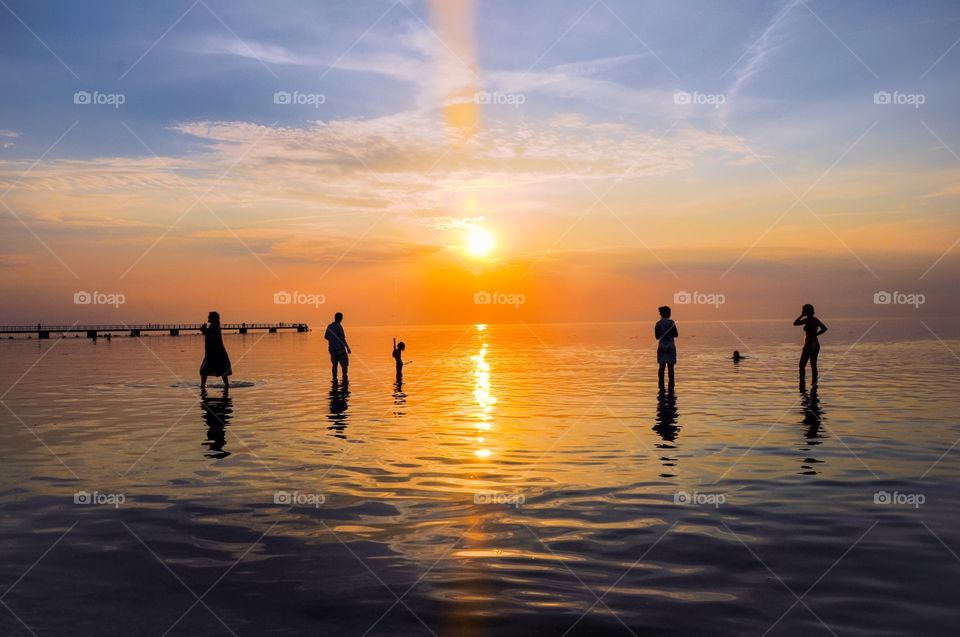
173 329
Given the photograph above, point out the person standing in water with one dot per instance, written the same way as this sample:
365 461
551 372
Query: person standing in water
337 346
812 329
665 331
216 362
398 349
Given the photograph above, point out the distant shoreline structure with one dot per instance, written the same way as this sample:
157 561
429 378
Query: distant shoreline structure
135 330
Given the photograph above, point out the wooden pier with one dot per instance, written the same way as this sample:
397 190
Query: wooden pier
173 329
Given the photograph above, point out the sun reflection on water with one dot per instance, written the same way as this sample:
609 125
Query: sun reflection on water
483 396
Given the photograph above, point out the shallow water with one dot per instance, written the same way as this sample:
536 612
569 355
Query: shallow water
523 480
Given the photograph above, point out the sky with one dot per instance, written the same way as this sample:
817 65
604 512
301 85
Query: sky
496 161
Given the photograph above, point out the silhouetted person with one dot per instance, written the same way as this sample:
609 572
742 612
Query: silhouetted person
398 349
812 329
215 359
737 357
337 345
665 331
216 413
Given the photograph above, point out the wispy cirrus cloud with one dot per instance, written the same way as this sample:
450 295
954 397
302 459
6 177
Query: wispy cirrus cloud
756 57
249 49
8 134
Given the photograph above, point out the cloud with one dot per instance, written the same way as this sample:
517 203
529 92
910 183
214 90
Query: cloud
284 247
444 223
417 57
249 49
756 57
15 261
9 134
99 174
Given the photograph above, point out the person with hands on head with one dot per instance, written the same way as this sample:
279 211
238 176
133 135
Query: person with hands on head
813 328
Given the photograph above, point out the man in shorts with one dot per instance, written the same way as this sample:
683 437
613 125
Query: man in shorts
337 346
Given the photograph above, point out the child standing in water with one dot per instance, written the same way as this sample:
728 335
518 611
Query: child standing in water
665 331
215 359
398 356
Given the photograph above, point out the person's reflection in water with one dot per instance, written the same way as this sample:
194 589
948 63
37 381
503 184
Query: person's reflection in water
339 393
217 413
812 418
399 398
668 429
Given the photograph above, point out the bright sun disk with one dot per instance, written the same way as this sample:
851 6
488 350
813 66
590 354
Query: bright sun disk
480 242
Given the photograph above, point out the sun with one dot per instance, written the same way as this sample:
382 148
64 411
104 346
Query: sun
480 242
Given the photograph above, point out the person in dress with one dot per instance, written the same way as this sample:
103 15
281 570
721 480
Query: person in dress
665 331
812 329
216 362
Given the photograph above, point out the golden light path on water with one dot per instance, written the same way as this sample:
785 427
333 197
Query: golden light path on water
483 396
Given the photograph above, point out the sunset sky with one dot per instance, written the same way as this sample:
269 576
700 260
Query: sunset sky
543 149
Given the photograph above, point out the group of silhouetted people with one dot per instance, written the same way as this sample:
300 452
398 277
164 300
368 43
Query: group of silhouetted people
665 331
216 362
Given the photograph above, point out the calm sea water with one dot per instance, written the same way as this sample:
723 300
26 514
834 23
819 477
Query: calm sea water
523 480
